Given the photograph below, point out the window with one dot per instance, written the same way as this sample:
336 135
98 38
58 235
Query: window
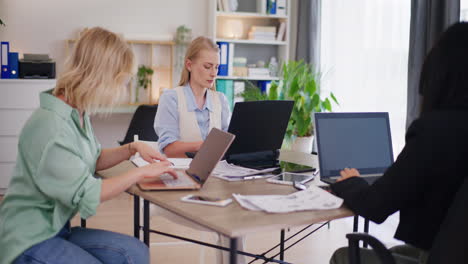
364 58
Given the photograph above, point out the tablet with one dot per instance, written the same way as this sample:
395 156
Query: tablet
289 178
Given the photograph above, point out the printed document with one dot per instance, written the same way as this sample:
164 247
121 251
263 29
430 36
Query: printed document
314 198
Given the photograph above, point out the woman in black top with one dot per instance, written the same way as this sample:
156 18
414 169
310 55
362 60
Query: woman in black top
424 179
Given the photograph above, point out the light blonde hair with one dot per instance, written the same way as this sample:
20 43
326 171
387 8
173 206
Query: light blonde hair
197 45
95 72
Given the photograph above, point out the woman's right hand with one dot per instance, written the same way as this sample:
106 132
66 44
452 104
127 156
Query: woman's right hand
156 169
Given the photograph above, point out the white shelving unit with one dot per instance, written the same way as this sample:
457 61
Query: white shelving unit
20 98
254 50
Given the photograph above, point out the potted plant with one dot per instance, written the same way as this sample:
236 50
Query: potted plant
1 23
299 82
144 76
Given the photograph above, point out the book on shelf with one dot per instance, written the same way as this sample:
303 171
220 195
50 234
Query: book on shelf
281 31
281 7
262 33
259 72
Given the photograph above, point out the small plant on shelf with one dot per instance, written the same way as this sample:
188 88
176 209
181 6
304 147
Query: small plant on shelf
144 76
1 23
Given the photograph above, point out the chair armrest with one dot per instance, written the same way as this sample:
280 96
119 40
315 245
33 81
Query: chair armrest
380 250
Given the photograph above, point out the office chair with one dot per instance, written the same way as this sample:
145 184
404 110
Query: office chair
449 244
142 124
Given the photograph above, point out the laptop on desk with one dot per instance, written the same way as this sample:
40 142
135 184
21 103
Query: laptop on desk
210 153
259 127
353 140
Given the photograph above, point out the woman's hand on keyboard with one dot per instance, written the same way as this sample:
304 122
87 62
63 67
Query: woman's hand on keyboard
154 170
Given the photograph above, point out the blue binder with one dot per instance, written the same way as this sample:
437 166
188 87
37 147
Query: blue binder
271 7
13 65
4 50
223 58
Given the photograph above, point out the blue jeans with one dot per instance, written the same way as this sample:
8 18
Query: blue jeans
85 245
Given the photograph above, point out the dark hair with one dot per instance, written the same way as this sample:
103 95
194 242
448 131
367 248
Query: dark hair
444 76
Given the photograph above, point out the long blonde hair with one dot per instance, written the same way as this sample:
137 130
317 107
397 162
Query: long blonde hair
96 71
197 45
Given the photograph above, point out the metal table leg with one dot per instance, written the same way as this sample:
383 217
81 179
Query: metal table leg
233 252
136 216
282 244
146 223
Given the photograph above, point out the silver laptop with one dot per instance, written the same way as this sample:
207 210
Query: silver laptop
211 151
353 140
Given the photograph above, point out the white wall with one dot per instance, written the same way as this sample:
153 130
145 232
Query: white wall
42 26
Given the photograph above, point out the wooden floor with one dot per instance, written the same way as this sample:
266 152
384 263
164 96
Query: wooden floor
116 215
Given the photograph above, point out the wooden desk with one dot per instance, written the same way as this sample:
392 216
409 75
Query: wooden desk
232 220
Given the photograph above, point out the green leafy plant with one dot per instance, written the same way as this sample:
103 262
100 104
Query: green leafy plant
300 83
1 23
144 75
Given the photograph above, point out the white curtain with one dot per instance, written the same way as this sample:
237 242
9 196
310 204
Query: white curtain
364 58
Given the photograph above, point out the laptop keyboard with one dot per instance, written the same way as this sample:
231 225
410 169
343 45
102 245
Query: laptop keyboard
182 180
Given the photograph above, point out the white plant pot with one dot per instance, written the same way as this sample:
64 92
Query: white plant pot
302 144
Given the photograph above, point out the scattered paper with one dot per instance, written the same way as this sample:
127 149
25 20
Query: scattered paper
314 198
230 172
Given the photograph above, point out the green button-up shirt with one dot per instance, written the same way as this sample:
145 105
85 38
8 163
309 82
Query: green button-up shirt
53 178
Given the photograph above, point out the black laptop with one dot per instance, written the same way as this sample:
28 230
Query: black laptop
259 127
353 140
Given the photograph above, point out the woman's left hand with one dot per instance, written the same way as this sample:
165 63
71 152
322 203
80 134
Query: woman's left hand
347 173
147 152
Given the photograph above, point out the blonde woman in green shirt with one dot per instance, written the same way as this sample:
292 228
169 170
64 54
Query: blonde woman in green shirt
58 156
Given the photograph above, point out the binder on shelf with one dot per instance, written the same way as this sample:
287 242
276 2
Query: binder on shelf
5 49
271 7
227 88
264 86
231 59
220 5
223 58
262 6
281 7
13 61
226 5
239 88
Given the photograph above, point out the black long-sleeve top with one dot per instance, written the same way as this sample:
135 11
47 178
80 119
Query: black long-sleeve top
422 182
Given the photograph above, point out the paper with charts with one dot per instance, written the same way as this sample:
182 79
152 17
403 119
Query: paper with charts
314 198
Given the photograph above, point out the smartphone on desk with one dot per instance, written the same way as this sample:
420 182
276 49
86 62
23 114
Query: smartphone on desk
289 178
202 199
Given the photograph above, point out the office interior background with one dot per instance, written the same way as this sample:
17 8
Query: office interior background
362 55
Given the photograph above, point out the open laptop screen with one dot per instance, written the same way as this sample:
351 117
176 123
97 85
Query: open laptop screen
353 140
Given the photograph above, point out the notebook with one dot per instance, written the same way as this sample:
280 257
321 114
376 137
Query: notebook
200 168
353 140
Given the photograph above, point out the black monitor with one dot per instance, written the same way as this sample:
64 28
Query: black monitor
259 126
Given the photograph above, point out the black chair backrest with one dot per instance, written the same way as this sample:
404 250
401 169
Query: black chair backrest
451 243
142 124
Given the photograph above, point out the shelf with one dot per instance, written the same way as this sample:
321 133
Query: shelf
255 42
247 78
247 15
30 81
